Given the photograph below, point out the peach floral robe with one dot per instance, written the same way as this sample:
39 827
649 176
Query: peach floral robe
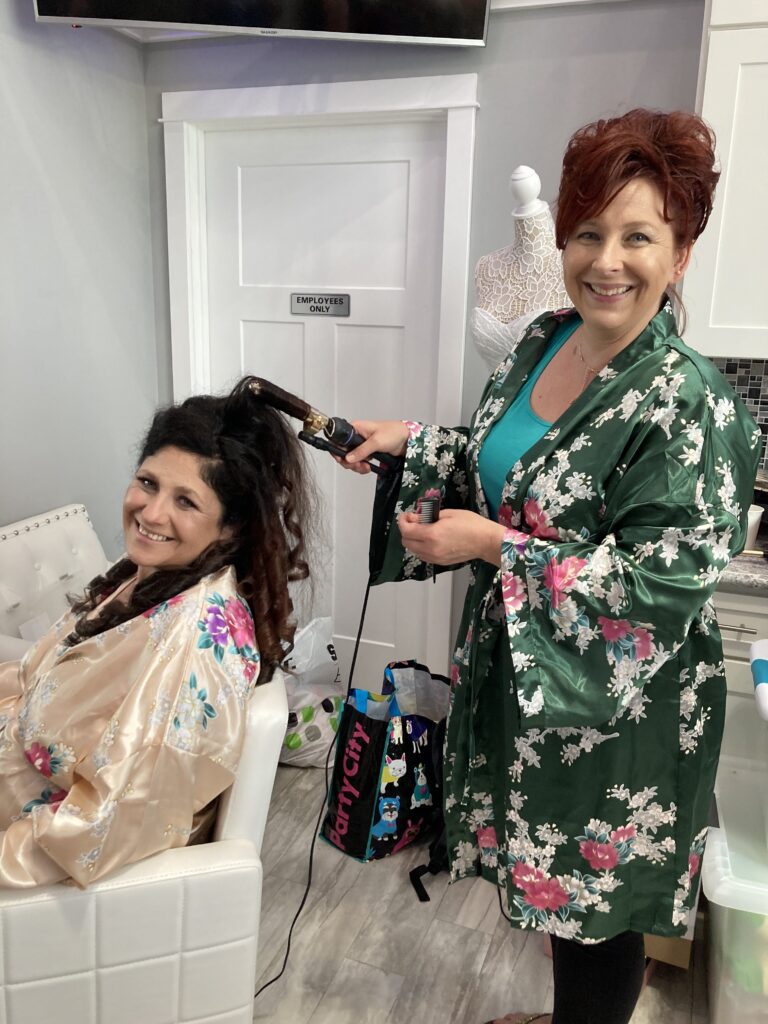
108 749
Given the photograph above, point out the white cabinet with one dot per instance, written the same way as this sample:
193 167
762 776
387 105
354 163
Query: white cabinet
725 287
742 619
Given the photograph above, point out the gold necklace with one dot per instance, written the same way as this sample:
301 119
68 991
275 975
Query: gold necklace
587 368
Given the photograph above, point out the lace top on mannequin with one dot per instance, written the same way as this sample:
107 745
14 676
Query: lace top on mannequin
515 284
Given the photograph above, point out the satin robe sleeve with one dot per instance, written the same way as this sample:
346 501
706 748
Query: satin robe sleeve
172 747
436 454
589 623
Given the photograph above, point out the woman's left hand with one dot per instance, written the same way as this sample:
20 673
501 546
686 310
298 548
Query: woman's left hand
457 536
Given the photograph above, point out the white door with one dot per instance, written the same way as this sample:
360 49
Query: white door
345 208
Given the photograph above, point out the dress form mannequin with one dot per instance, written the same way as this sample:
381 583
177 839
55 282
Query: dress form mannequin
515 284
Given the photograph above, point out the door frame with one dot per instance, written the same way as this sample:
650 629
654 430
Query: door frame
188 116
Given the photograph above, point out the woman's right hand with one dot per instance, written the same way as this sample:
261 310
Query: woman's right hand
389 436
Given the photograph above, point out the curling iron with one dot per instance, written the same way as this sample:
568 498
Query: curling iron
328 433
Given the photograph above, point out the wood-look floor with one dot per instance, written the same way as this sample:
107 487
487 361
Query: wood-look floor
365 951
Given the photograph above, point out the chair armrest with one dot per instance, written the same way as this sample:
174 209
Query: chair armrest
244 807
182 862
171 938
12 648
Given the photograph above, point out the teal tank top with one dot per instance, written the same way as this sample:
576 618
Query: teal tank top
519 428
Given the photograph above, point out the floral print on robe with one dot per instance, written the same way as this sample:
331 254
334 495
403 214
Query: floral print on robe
588 689
108 749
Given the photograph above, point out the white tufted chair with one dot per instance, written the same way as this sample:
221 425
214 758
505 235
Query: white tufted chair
168 940
42 559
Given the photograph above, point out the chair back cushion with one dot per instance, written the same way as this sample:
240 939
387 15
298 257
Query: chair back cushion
43 559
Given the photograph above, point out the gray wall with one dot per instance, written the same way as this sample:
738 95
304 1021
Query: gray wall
543 74
78 374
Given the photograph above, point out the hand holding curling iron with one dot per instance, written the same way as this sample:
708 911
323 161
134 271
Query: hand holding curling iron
388 436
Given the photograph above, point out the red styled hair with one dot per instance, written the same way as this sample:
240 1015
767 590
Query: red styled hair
675 152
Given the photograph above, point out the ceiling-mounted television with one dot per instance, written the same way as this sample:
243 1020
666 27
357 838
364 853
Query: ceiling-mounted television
447 22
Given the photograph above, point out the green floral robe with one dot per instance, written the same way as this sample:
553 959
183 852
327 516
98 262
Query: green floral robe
588 684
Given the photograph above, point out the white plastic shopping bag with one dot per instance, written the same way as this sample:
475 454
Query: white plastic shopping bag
315 696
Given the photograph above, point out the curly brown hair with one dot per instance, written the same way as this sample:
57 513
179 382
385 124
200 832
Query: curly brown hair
255 464
674 151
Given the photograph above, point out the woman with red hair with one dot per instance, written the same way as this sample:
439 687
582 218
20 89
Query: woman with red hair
599 493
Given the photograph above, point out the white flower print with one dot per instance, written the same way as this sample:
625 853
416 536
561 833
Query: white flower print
629 403
616 596
587 741
551 835
692 454
580 486
727 489
709 577
725 413
100 755
720 545
521 661
445 464
533 705
670 542
466 856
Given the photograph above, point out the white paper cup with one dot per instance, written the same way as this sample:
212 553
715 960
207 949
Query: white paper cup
754 515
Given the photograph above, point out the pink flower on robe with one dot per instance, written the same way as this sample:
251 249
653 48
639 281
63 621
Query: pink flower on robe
613 629
486 838
454 675
240 623
559 577
516 538
56 798
546 895
540 891
505 516
524 874
538 520
599 856
624 834
643 643
40 758
694 860
513 592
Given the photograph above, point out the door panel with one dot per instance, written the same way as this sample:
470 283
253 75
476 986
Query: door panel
356 209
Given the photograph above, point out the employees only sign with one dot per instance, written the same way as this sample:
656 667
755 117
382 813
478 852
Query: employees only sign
324 304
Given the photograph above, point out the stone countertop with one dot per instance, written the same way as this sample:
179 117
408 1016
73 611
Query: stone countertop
746 574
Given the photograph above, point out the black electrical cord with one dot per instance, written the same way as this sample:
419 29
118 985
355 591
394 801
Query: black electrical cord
304 898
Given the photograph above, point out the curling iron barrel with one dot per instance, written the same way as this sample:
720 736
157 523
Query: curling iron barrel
338 435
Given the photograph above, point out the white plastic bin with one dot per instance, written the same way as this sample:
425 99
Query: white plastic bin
735 881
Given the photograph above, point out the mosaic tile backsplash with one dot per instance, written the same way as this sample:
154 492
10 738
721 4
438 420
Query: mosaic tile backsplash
749 379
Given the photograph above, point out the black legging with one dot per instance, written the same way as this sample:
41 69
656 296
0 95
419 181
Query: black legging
597 984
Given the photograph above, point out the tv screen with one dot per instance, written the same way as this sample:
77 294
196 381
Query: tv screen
450 22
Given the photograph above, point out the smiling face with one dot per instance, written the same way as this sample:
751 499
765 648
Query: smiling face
170 514
617 264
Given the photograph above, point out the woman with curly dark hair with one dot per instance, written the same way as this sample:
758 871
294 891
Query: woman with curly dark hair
123 724
599 493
